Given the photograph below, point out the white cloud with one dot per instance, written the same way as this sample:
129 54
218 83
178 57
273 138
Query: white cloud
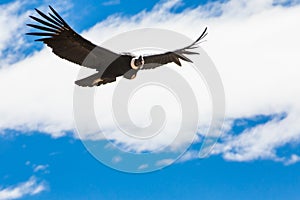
12 29
40 168
111 3
116 159
30 187
27 163
262 141
292 160
37 95
143 166
254 45
164 162
188 155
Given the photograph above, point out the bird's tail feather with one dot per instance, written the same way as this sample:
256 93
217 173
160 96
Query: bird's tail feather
94 80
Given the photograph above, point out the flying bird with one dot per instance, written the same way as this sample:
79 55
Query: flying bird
69 45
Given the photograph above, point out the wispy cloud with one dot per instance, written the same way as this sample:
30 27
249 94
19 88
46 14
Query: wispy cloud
111 2
143 166
292 160
164 162
12 29
116 159
40 168
28 188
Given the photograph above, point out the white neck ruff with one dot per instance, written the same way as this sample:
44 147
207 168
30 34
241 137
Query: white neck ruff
133 66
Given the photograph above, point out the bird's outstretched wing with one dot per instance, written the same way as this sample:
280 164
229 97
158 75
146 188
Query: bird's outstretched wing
153 61
67 44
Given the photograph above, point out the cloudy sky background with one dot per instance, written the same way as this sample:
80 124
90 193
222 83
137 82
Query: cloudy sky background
254 45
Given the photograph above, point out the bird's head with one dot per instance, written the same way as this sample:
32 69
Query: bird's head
137 62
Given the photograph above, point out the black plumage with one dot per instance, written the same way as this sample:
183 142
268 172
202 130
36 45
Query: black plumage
69 45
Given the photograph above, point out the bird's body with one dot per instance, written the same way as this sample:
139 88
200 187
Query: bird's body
118 67
67 44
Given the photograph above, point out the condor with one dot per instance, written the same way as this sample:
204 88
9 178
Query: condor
69 45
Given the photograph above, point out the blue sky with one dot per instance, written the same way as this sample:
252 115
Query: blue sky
256 157
74 173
